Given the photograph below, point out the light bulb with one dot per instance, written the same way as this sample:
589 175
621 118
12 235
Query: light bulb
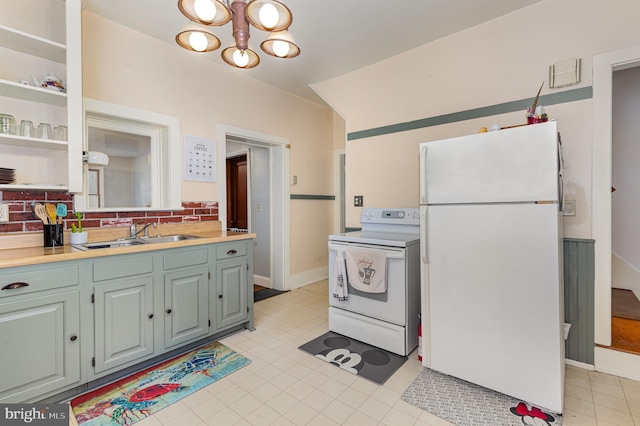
268 15
205 10
198 41
240 58
281 48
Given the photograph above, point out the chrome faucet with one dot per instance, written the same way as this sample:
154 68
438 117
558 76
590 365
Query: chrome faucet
133 230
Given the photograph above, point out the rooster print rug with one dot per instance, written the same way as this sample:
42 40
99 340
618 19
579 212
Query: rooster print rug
467 404
135 397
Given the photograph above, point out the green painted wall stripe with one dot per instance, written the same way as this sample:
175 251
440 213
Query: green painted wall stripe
312 197
520 105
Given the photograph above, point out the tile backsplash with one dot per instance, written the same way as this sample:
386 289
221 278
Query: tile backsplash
22 219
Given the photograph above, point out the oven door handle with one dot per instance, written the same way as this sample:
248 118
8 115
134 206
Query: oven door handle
391 254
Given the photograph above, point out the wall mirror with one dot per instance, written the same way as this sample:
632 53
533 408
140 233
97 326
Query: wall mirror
131 161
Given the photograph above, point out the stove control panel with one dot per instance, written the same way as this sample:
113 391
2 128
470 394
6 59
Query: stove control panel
390 216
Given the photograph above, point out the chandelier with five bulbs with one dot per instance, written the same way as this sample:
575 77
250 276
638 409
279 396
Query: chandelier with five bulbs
266 15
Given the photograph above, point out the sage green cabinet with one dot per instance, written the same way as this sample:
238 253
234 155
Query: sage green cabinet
123 322
123 311
231 299
39 331
186 311
231 285
64 325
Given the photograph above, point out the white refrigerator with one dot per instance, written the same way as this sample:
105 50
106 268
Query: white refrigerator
491 259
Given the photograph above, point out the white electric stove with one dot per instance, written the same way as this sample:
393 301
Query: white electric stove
389 319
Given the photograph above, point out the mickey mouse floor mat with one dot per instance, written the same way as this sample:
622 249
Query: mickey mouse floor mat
355 357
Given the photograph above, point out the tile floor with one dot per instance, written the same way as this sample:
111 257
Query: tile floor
285 386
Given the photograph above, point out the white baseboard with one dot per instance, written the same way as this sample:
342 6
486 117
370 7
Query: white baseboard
308 277
579 364
618 363
262 281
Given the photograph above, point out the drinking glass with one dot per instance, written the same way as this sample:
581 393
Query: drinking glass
26 129
44 131
60 133
7 123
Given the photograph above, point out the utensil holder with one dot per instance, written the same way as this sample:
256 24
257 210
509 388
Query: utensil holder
53 235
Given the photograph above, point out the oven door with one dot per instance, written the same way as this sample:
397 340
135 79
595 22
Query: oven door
388 306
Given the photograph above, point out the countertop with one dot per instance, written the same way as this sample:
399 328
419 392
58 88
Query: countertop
24 256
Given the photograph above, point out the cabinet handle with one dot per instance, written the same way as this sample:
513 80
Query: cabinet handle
150 316
169 310
74 338
220 297
232 252
13 286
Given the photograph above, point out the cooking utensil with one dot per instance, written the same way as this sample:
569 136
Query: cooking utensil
61 211
41 212
51 212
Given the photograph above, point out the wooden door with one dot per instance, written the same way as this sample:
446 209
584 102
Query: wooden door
237 192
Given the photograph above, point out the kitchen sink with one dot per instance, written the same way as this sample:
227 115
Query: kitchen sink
126 242
169 238
110 244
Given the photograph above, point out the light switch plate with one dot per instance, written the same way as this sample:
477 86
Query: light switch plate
358 201
4 212
569 208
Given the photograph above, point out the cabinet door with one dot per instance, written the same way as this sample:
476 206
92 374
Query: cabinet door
186 308
231 285
40 346
123 322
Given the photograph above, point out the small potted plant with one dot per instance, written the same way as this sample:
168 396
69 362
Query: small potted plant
78 236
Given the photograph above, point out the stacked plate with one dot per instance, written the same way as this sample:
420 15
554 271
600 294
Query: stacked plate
7 175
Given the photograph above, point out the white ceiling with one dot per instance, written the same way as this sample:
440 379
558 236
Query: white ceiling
335 36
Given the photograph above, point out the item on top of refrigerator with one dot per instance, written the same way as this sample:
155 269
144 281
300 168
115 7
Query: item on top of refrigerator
535 101
536 113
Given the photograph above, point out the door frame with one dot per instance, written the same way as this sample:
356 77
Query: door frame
280 195
339 183
604 65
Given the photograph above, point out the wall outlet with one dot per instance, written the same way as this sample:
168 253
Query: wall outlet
4 212
358 201
569 208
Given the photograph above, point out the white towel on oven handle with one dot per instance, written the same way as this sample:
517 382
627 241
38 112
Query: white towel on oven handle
367 270
340 290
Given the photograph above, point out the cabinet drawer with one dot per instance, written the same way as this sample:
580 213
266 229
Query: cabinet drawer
230 250
178 259
122 267
37 278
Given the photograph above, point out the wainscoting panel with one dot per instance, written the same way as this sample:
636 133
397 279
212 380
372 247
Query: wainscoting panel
578 299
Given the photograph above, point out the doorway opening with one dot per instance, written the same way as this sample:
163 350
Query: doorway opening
267 198
625 211
607 358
